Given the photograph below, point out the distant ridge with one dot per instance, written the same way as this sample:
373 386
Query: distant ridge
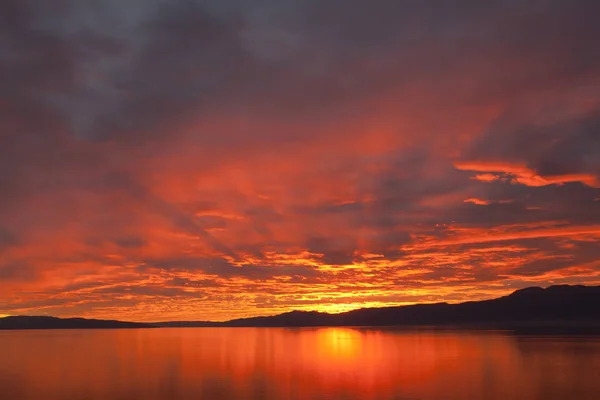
43 322
556 308
562 305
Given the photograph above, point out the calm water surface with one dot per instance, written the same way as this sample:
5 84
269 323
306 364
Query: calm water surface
304 364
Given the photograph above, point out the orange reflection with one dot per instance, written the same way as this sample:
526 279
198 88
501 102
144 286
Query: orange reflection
339 344
274 364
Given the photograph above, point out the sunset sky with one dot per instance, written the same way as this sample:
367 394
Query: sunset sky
215 159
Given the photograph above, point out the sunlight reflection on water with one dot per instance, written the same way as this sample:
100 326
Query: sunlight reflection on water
304 364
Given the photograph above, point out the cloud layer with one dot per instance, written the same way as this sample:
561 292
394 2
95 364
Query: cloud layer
199 159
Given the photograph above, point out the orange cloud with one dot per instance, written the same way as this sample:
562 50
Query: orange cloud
480 236
486 177
478 202
292 174
523 175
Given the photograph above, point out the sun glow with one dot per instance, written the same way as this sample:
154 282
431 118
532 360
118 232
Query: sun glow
339 343
338 308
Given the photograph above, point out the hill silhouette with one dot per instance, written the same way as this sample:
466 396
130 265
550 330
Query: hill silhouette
561 305
43 322
561 308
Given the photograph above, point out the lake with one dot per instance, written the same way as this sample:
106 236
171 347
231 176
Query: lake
303 364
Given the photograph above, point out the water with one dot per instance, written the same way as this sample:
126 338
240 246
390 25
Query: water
303 364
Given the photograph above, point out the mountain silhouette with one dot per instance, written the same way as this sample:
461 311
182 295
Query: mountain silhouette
43 322
572 305
558 309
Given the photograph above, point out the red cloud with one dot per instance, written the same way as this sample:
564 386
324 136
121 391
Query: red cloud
521 174
479 202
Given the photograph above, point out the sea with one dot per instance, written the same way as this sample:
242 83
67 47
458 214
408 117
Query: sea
302 364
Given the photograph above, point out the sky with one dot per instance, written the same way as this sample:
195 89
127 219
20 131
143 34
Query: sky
215 159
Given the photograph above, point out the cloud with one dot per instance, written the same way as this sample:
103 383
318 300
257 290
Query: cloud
486 177
484 237
522 175
218 159
478 202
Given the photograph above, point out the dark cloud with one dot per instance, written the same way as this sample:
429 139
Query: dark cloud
7 239
192 283
571 146
131 241
148 290
15 271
